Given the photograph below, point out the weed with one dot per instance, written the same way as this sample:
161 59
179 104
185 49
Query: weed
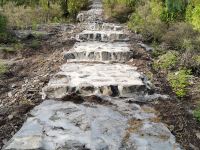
3 68
179 81
35 44
166 61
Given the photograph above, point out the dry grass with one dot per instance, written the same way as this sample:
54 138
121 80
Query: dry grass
22 17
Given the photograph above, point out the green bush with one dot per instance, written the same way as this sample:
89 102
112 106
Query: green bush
179 81
119 9
174 10
146 20
193 13
197 114
166 61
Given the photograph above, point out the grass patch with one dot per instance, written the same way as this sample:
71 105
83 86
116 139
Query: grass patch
7 49
3 68
35 44
196 113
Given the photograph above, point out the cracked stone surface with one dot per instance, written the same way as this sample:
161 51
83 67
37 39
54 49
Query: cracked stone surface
95 79
98 51
55 125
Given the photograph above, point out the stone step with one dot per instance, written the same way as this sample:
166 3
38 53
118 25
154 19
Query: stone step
90 15
95 79
103 36
55 125
94 14
99 51
99 25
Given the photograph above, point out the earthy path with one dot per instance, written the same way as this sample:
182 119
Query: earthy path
96 66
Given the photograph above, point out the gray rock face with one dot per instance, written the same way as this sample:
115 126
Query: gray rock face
64 125
97 51
24 34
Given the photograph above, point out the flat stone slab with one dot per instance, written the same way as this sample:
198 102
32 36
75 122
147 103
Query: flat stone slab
56 125
99 51
99 25
95 79
103 36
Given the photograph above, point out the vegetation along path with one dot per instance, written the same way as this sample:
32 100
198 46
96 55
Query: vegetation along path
114 113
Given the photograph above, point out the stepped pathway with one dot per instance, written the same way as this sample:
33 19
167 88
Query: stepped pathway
96 66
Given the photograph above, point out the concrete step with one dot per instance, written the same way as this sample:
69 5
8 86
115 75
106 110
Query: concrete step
95 79
99 51
103 36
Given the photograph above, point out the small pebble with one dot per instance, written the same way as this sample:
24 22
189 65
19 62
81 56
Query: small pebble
10 117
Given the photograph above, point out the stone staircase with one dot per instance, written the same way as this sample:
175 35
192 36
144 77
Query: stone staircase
96 66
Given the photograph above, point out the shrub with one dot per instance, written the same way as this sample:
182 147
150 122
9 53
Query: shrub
193 13
191 60
175 10
166 61
197 114
74 6
179 81
146 20
119 9
179 36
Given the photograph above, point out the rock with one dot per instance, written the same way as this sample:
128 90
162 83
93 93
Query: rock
146 47
97 51
57 125
80 17
14 86
103 36
100 25
10 94
110 79
26 34
10 117
198 135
